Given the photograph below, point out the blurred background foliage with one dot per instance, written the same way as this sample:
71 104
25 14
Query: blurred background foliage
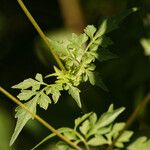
22 55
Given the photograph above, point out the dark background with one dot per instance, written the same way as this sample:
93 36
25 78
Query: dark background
127 77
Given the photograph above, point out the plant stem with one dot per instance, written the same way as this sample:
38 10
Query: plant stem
43 122
41 33
133 116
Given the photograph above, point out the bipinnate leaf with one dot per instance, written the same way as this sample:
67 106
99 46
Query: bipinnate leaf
23 117
74 92
142 143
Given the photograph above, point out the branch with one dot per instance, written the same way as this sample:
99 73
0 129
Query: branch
44 123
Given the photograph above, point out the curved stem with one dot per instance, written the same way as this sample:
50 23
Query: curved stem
131 119
41 33
43 122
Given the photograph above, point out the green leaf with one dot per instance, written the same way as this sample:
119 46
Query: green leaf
26 94
90 30
63 146
27 83
44 101
108 117
84 128
142 143
74 92
97 141
23 117
39 77
79 120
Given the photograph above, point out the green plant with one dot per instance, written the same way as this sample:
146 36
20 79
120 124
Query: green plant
91 131
76 62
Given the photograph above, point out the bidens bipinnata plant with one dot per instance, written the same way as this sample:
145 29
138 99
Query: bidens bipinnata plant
92 132
78 58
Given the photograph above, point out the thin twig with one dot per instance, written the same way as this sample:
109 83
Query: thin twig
131 119
41 33
43 122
